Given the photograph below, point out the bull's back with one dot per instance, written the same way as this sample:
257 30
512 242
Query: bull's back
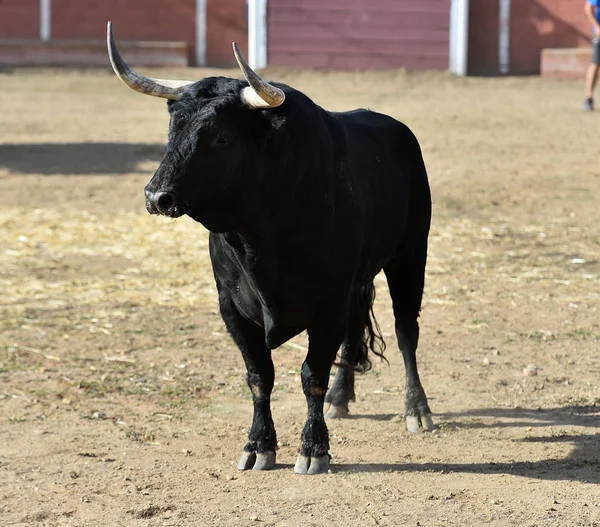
389 181
375 136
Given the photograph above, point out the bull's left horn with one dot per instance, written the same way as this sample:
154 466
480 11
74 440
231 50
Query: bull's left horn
260 94
167 89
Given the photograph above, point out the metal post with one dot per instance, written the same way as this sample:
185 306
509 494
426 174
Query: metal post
504 37
200 32
257 33
45 19
459 36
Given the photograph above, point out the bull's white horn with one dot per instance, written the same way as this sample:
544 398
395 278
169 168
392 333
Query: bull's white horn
167 89
260 94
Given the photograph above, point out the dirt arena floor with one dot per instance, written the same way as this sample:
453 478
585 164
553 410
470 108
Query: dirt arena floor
123 401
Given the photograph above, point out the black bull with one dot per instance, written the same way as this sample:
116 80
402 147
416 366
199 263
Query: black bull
304 208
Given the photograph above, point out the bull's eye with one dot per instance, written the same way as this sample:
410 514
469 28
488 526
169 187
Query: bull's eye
222 140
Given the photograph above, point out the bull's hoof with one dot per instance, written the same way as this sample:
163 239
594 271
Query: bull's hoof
247 461
254 461
265 461
427 423
415 423
337 412
312 465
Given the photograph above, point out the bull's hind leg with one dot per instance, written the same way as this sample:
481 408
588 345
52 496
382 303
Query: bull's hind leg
342 390
259 452
406 275
354 351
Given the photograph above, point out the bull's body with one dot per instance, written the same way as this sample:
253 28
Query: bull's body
346 196
305 207
334 230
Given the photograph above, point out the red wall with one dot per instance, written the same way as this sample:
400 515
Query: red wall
540 24
227 22
322 33
534 25
358 34
132 20
19 18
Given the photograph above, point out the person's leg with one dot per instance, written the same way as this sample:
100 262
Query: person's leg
592 76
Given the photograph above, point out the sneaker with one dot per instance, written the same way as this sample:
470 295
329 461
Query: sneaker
588 105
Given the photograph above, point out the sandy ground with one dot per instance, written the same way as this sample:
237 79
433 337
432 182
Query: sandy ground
122 400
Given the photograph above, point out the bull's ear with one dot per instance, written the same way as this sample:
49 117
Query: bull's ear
260 94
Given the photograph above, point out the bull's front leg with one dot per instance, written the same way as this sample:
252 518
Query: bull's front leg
324 340
259 452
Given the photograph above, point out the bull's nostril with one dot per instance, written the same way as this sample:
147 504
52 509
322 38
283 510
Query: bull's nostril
164 201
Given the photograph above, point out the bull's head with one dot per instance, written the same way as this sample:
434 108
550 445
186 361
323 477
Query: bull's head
216 130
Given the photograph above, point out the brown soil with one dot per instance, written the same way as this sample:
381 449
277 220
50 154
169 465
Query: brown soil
122 400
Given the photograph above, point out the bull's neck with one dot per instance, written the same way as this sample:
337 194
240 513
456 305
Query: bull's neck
274 216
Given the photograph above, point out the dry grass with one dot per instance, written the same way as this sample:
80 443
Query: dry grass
109 330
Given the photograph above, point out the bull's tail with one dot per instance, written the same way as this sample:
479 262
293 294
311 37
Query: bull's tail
372 340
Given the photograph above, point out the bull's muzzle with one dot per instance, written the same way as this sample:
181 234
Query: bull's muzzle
164 203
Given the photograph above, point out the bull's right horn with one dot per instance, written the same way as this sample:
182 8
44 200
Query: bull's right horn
260 94
167 89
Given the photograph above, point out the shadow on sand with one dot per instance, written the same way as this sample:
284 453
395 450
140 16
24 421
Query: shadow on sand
582 464
78 158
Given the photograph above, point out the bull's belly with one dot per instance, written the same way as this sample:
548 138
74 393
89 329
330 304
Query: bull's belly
279 335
